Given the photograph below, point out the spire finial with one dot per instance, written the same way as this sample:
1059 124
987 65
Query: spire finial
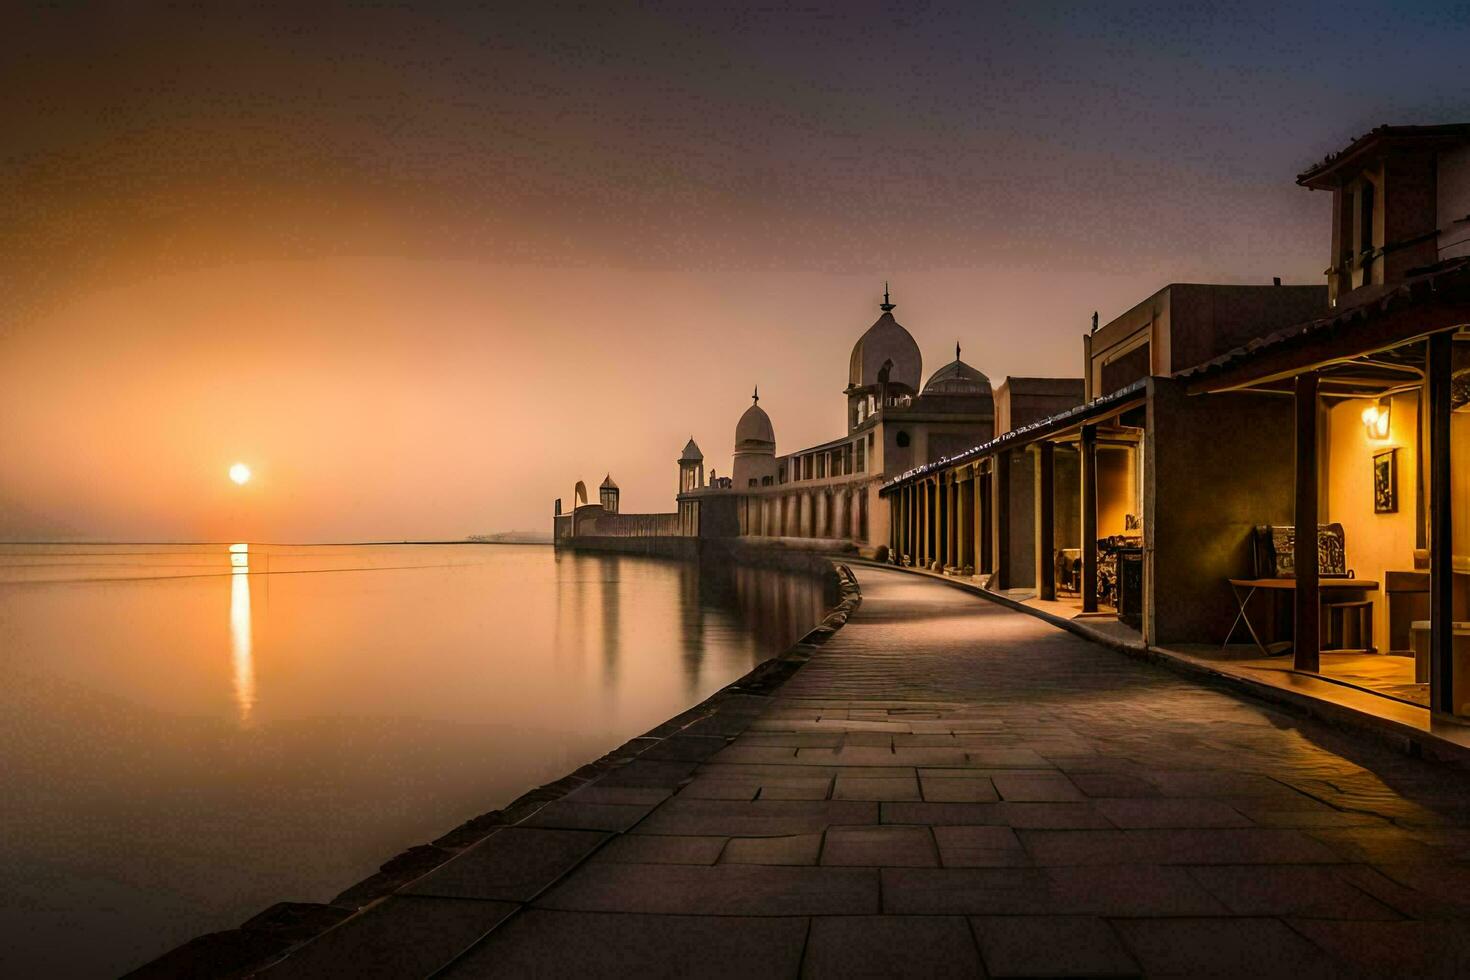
956 350
756 395
886 306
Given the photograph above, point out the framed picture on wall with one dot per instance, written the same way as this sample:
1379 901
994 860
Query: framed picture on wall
1386 482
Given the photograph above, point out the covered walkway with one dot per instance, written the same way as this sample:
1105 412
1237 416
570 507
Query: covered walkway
950 786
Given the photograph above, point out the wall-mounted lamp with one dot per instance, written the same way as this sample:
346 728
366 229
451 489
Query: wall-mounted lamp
1375 419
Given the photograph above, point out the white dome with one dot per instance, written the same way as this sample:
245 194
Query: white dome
884 342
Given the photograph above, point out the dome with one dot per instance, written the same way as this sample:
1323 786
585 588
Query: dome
957 378
691 451
754 425
886 340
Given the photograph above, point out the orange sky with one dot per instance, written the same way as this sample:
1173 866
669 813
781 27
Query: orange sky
424 271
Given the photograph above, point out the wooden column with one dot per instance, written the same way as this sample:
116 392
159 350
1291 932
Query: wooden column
1308 630
1000 506
1089 518
1441 529
1046 563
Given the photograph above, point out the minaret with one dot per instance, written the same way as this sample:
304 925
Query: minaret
607 495
691 467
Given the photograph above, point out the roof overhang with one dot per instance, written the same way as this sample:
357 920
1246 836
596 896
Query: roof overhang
1331 171
1347 341
1096 410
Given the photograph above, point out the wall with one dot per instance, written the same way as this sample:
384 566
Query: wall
1066 498
1023 520
1207 320
1375 542
1116 494
1021 401
1214 466
593 521
1452 202
665 547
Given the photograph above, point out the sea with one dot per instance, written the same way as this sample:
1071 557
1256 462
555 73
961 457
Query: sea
190 733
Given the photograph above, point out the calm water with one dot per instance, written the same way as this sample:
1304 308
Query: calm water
184 741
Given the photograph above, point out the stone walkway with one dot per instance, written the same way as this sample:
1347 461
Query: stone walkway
951 787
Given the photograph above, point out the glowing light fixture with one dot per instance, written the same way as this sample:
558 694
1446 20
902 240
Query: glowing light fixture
1375 420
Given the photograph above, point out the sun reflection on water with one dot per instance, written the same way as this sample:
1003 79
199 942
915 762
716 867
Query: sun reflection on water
240 643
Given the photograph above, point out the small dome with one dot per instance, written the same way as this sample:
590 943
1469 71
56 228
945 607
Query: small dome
886 340
754 425
608 484
957 378
691 451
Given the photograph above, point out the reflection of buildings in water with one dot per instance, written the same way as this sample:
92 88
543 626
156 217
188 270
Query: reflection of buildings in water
241 653
778 606
691 622
610 586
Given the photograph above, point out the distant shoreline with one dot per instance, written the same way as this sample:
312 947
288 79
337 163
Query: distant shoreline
274 544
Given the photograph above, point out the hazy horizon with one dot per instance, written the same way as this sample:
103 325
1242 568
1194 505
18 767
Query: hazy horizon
423 271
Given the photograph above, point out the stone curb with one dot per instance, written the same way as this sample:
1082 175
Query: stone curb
1400 737
274 933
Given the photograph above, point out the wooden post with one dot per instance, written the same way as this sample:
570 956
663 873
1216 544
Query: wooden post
1308 631
1441 530
1089 518
1000 507
1046 562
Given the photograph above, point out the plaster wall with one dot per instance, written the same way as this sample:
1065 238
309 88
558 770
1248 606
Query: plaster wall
1117 491
1214 466
1023 520
1452 203
1375 542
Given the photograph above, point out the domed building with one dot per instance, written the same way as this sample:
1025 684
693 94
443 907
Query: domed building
755 447
829 493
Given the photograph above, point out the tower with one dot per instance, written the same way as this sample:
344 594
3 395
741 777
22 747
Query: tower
691 467
755 447
607 495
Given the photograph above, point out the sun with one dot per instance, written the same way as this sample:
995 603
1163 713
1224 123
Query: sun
240 473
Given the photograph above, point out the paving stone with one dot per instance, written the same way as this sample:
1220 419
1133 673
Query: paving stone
1379 845
652 849
792 740
1394 949
1005 758
794 850
766 754
1051 946
1222 948
650 773
402 936
575 815
890 946
544 943
761 818
1225 845
635 795
962 790
725 889
980 847
818 788
720 788
1111 785
1130 890
879 846
1316 891
888 788
686 747
511 865
1167 813
1051 815
1027 788
967 891
766 774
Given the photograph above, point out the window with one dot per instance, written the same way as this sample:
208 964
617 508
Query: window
766 481
861 455
751 482
821 466
781 474
902 439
